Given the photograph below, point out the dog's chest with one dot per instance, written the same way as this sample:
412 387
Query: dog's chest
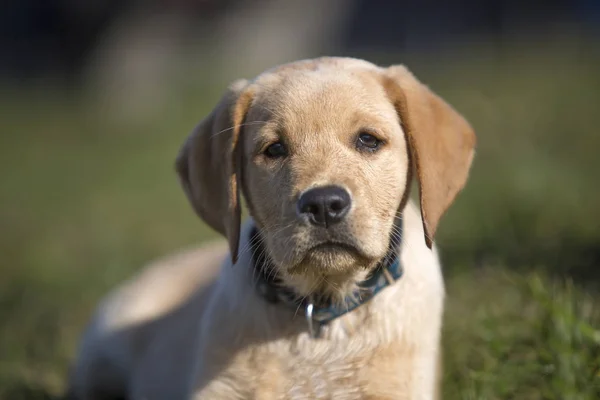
315 372
361 376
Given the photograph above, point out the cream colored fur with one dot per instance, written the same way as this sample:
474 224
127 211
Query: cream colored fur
193 326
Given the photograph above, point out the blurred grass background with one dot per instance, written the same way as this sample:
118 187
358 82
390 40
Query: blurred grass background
88 197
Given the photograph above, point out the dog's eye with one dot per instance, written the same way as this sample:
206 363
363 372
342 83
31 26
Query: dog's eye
367 141
276 150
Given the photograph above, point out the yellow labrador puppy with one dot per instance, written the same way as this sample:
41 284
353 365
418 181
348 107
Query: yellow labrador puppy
333 289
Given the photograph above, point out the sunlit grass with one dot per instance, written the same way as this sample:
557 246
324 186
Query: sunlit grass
531 338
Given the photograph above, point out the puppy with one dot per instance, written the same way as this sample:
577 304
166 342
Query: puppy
332 289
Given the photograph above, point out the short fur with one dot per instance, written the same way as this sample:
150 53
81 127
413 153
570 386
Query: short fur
194 327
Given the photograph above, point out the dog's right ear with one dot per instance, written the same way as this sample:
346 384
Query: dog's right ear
209 164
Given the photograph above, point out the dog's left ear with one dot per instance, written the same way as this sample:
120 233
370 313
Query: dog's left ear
441 142
209 164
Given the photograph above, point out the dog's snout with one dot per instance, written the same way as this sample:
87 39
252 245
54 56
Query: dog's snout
326 205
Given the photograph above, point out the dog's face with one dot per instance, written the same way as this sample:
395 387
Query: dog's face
322 151
326 171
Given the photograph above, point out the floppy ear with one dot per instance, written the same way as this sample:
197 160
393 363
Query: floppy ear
441 143
209 165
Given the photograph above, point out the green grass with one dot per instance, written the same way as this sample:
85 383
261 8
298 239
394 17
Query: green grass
509 336
86 200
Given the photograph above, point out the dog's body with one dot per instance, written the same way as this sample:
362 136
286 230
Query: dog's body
196 327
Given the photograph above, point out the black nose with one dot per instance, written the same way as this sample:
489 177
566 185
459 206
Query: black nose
326 205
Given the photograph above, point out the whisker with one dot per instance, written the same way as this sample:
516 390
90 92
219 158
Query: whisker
238 126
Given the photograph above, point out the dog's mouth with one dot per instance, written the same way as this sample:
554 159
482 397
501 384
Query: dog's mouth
334 252
331 256
331 247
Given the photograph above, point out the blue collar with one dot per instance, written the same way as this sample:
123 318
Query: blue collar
319 313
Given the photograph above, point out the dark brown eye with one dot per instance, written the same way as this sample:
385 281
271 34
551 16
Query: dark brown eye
276 150
368 142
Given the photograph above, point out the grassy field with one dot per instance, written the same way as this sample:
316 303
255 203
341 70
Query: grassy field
86 200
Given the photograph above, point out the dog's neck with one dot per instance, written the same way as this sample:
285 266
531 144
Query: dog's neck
321 308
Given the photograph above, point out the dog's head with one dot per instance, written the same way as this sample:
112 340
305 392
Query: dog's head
323 151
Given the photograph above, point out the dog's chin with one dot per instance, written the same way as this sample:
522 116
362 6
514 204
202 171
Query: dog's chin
332 259
331 270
